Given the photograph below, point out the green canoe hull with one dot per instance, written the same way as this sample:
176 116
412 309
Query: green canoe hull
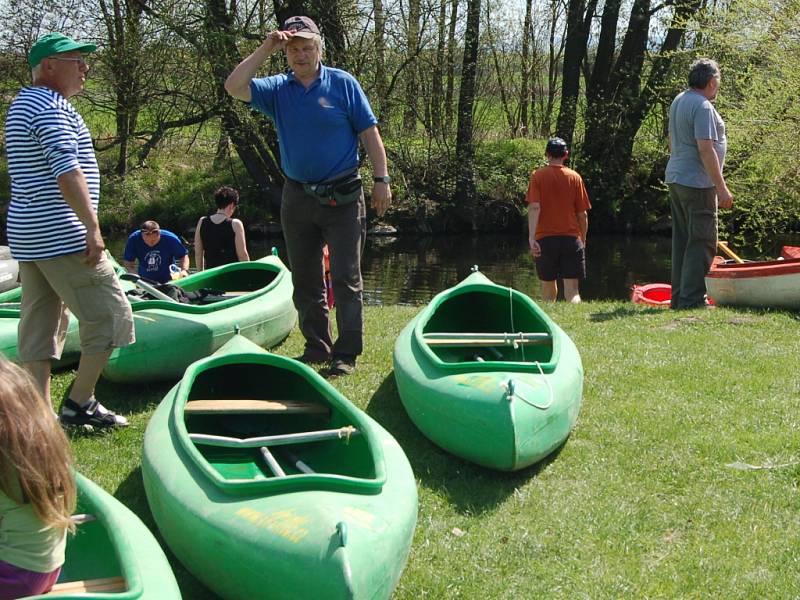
170 336
460 397
115 544
343 531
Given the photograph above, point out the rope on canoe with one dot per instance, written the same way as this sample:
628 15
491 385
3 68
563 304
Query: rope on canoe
346 432
512 392
511 312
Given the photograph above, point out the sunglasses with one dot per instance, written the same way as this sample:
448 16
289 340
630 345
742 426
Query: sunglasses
80 60
151 232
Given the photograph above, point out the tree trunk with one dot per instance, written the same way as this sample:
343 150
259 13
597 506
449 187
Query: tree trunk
437 80
553 58
224 56
618 104
451 65
579 17
381 81
465 151
122 20
412 45
525 92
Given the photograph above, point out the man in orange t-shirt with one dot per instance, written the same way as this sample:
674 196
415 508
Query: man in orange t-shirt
557 223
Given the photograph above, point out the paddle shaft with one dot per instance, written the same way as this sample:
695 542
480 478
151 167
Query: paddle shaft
273 440
731 254
464 339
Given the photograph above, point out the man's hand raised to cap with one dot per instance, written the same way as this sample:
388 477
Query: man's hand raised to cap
276 40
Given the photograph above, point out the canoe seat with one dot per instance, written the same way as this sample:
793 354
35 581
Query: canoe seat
254 406
84 586
462 339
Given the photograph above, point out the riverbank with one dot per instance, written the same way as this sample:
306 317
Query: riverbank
651 496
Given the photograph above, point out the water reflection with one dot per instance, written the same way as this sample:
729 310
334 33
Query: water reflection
412 269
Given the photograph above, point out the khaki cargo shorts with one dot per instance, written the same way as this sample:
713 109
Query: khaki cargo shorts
53 286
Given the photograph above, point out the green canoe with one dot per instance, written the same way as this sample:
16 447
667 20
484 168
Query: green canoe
171 335
266 482
112 555
484 373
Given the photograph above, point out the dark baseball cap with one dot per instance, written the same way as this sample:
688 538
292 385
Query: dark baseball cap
556 147
301 27
54 43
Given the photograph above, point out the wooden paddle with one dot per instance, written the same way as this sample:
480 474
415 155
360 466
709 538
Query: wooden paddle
731 254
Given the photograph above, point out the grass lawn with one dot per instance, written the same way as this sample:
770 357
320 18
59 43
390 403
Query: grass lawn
649 498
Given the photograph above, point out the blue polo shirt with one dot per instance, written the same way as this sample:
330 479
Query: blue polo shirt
317 127
154 261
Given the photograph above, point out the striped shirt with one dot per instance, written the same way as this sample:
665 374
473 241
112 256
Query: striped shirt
45 138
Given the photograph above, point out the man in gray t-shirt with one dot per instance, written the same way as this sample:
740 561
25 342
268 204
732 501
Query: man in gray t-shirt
697 188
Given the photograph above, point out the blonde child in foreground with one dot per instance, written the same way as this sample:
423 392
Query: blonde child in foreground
37 488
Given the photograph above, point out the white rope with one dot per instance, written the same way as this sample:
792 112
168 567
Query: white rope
511 391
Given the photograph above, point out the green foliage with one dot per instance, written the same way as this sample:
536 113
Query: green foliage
174 191
503 168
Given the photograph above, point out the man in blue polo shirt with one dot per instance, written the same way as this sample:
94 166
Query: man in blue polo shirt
156 250
320 114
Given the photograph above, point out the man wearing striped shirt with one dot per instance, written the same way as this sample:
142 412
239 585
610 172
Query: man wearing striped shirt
54 233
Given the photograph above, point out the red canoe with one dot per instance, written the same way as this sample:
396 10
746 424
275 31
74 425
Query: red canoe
654 294
790 252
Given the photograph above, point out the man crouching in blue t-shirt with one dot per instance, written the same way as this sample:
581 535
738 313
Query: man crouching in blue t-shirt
320 114
156 250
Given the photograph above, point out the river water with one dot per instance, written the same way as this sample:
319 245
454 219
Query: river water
413 269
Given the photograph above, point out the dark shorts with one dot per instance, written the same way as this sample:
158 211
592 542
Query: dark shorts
562 256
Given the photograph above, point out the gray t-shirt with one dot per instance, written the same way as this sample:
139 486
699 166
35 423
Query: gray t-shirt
692 117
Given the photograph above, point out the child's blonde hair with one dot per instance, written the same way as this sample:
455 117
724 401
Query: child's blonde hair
34 450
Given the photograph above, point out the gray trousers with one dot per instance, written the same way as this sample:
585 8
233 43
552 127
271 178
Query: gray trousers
307 227
694 242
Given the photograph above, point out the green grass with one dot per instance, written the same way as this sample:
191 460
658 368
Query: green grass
640 502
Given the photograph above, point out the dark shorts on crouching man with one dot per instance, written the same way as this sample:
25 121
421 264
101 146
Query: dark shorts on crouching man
307 226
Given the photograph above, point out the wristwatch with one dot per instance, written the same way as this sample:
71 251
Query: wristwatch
385 179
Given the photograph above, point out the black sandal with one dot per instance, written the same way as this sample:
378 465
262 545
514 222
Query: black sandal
94 414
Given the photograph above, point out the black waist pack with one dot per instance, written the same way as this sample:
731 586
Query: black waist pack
338 192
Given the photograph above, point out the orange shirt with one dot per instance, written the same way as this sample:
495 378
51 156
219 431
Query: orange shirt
561 195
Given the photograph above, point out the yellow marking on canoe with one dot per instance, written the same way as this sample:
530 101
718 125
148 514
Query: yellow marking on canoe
284 523
485 383
360 517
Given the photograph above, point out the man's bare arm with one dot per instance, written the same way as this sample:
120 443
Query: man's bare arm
381 192
238 82
712 167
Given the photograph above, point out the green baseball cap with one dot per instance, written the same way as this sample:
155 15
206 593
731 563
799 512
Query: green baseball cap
54 43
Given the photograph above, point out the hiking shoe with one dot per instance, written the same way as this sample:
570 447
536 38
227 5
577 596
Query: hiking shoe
93 414
342 365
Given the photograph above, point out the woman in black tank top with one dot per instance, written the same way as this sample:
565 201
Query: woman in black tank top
218 238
